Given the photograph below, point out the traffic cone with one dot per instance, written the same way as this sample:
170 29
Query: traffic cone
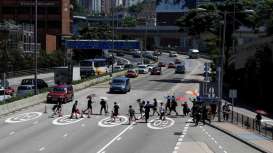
45 109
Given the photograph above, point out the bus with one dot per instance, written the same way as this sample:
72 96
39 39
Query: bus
92 67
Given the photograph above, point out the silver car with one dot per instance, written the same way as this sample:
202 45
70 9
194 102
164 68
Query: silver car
25 90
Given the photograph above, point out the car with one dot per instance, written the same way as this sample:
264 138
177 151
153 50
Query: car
120 54
136 55
40 83
128 66
171 65
117 68
120 63
161 64
120 84
156 53
156 71
180 69
3 95
150 67
177 61
8 90
142 69
132 73
172 54
25 90
63 93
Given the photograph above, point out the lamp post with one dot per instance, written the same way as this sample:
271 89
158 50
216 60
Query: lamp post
113 35
36 49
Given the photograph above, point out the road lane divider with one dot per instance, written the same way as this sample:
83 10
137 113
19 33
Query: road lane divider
114 139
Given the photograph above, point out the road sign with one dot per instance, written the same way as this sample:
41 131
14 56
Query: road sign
232 93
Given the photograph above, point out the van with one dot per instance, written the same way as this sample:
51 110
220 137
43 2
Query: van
120 84
63 93
193 53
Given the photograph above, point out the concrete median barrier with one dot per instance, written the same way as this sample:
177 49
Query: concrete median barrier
37 99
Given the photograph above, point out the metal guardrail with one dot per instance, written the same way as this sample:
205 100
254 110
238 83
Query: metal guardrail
252 125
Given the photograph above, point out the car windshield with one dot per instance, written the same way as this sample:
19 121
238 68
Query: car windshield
117 81
142 66
58 89
26 82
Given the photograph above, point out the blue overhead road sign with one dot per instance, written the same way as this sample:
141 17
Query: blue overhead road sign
102 44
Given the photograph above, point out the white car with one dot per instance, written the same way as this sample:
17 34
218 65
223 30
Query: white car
3 96
142 69
117 68
150 67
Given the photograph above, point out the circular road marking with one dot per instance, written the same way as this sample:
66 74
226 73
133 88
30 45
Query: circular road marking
65 120
159 124
23 117
108 122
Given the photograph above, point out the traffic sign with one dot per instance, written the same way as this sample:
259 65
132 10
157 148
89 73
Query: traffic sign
211 92
232 93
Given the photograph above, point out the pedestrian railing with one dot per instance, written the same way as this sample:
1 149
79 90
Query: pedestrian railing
262 128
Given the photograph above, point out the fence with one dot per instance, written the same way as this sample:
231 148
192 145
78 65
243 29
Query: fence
249 123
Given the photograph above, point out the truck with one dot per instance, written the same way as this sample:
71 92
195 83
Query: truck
62 75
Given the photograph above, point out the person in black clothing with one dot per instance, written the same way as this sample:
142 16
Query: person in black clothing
75 110
155 108
258 120
173 106
89 107
185 109
131 113
141 106
57 109
103 106
147 111
115 111
205 115
168 104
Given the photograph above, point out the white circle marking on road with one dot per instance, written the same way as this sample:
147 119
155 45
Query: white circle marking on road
158 124
23 117
65 120
107 122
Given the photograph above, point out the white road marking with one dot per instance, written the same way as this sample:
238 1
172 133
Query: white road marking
36 122
174 151
83 125
11 133
215 141
178 143
119 138
209 135
65 135
180 139
225 151
182 136
65 120
220 147
107 122
109 143
212 138
24 117
176 148
42 148
158 124
131 128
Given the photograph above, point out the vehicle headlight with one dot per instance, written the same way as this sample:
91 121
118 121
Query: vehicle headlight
49 96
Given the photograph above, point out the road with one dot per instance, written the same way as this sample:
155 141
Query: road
38 132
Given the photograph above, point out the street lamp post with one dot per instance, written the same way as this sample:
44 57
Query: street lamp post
113 35
36 49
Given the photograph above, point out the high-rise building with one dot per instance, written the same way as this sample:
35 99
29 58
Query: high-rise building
53 18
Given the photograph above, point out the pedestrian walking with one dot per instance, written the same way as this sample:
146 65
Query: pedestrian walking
115 111
147 108
258 120
75 111
186 109
155 107
197 116
226 112
205 115
162 112
57 109
173 105
89 107
103 106
168 105
132 115
141 107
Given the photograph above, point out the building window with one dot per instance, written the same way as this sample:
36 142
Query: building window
8 10
23 10
53 10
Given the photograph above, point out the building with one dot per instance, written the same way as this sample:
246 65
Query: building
53 18
18 37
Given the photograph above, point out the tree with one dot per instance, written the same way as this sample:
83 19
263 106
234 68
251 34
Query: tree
129 21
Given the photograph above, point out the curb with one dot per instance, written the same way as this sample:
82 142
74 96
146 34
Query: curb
240 139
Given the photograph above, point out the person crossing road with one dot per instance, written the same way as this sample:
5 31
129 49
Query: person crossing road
103 106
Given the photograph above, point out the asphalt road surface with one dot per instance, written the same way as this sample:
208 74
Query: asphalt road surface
32 131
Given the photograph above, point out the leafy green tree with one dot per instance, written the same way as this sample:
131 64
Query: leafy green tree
129 21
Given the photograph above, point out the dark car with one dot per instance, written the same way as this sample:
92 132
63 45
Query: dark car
136 55
62 93
156 71
180 69
161 64
120 84
128 66
40 83
171 65
120 54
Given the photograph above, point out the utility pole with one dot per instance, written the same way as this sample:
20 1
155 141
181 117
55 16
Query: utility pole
113 35
36 49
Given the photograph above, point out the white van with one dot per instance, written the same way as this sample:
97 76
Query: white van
193 53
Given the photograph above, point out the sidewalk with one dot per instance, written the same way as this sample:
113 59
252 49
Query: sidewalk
247 136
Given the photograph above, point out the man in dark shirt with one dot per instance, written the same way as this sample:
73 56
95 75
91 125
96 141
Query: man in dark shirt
115 112
103 106
74 110
89 107
147 111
